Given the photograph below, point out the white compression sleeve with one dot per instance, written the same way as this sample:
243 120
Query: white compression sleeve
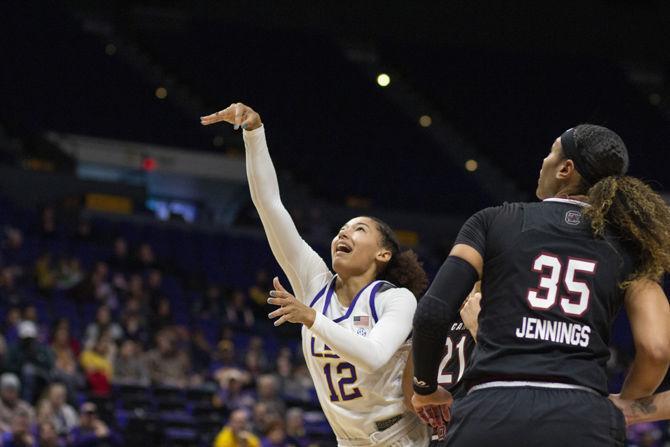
301 264
396 311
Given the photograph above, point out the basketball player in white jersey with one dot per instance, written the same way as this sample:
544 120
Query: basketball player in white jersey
356 318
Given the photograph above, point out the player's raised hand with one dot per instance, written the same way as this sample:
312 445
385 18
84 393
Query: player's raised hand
290 309
237 114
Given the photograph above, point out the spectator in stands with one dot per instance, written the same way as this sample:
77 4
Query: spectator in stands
259 293
45 274
167 363
3 350
14 255
10 327
231 393
145 259
55 409
97 365
30 360
65 338
256 347
208 307
267 392
103 324
136 290
262 417
10 293
47 436
201 353
295 427
236 432
154 286
10 404
224 356
161 317
84 231
65 363
120 260
133 323
275 435
19 435
238 314
48 226
96 287
92 431
69 273
130 365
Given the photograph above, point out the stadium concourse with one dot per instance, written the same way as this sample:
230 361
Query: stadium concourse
134 276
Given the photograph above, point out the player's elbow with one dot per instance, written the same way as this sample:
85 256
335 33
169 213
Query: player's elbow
656 352
373 363
428 316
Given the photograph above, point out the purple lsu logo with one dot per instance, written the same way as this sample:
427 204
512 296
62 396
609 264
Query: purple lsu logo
573 217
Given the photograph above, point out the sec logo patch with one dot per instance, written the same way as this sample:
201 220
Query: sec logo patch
362 331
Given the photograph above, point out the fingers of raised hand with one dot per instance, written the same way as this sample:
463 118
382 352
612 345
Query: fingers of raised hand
277 285
226 114
281 321
279 300
240 113
278 313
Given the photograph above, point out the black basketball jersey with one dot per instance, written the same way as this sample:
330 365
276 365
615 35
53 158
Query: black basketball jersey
457 352
550 292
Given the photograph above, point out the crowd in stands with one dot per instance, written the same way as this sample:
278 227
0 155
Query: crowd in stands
82 340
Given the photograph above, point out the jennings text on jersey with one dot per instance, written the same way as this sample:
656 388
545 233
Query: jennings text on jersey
556 331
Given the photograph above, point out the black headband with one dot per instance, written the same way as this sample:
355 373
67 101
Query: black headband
586 162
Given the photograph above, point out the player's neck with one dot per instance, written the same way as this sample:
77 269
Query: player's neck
570 193
348 287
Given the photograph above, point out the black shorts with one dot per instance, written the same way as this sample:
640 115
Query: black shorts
532 417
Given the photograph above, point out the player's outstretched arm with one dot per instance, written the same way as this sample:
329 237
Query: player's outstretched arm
647 409
649 314
299 262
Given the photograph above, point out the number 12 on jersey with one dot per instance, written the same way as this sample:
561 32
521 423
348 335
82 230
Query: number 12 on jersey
341 369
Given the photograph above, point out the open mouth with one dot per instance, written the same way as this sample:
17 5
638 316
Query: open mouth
342 248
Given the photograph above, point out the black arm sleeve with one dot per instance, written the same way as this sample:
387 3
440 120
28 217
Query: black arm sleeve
436 311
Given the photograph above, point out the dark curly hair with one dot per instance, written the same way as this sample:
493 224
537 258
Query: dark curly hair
404 269
625 205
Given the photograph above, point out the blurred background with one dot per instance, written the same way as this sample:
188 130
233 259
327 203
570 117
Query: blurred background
133 267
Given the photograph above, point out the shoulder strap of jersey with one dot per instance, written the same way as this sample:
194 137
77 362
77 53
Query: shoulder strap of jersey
322 291
381 286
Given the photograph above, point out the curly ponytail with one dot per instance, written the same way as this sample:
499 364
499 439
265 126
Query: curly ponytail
404 269
639 216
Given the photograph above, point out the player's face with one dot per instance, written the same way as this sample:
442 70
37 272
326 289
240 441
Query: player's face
548 183
356 248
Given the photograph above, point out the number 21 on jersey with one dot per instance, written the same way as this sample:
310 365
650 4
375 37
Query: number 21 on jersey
446 377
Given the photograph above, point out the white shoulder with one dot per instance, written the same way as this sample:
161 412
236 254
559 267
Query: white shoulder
395 298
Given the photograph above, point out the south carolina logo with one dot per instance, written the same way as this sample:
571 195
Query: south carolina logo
573 217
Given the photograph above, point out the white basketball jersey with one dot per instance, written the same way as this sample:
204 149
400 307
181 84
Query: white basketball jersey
353 399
